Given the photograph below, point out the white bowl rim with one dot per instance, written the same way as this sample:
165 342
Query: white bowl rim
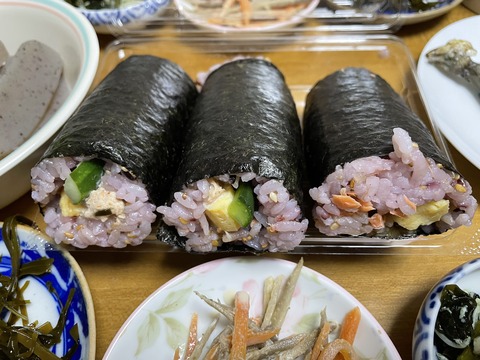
87 74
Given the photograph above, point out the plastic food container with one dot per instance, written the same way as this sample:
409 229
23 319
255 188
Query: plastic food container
303 59
326 16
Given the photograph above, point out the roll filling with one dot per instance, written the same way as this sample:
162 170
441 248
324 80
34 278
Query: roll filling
373 194
117 212
203 213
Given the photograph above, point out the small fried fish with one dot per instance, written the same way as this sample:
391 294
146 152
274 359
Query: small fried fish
456 58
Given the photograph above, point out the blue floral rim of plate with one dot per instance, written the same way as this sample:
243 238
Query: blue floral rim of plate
61 278
122 16
422 345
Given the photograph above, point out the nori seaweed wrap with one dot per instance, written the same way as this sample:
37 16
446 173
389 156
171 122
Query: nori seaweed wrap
112 163
243 149
374 166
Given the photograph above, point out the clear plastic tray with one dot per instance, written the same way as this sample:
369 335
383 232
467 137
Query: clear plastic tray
361 16
303 60
300 16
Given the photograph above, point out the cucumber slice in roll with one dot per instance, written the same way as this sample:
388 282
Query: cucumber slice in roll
83 180
242 207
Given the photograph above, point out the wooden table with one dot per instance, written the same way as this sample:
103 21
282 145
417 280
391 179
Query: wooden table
392 287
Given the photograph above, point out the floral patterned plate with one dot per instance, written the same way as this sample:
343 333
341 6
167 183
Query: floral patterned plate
160 324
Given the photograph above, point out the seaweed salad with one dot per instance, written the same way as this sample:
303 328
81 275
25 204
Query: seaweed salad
28 340
457 329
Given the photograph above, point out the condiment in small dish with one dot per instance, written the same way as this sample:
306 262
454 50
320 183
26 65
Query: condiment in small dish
116 16
58 317
466 277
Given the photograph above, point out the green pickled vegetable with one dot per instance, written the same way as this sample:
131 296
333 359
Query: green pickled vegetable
456 324
422 5
83 180
27 341
467 354
242 207
96 4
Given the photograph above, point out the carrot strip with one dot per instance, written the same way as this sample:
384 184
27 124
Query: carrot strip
176 354
259 337
350 325
338 349
322 340
240 326
197 351
192 337
212 353
246 10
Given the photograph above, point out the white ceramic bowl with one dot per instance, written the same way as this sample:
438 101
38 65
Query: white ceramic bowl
467 277
63 28
118 20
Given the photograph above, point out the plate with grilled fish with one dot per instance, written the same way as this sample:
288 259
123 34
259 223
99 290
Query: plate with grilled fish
449 76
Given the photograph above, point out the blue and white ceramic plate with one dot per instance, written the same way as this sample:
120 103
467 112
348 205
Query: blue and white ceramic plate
467 277
160 323
410 16
45 306
118 20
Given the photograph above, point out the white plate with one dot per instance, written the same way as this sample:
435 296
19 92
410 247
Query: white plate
161 322
188 11
467 277
454 107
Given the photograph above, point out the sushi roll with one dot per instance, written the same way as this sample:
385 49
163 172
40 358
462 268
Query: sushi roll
239 183
374 167
112 163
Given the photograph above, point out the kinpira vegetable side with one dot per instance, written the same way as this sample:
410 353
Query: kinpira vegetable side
239 183
374 166
112 163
